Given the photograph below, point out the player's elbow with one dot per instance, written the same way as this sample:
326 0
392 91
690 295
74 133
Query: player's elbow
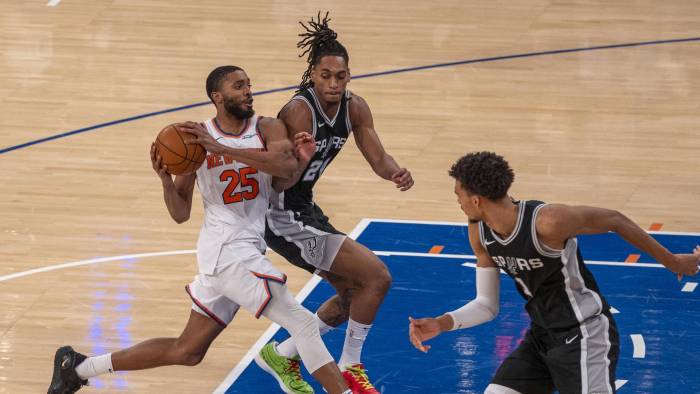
494 312
617 220
180 217
490 308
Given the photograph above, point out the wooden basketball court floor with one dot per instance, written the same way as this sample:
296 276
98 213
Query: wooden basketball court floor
614 125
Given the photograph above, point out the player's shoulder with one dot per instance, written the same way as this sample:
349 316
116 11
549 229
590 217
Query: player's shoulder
355 100
551 216
295 108
266 121
269 125
357 106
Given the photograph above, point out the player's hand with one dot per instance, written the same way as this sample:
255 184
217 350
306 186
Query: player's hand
687 264
200 136
420 330
304 146
158 166
403 179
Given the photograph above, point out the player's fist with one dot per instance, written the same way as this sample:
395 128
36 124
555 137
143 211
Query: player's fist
403 179
687 264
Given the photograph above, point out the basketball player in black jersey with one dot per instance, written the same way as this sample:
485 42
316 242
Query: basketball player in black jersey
297 227
572 344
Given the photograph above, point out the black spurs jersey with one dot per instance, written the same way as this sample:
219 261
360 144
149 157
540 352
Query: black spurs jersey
330 135
560 291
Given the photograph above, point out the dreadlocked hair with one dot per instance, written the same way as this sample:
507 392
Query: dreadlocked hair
318 41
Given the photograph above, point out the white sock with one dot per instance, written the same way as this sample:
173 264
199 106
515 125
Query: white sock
93 366
289 349
354 339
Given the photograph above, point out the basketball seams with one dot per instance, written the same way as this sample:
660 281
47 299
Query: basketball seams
187 164
158 140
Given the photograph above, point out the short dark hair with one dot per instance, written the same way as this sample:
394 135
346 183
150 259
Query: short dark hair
216 76
484 173
318 41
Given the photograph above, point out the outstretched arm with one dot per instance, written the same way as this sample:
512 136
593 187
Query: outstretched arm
371 147
177 193
277 160
557 222
480 310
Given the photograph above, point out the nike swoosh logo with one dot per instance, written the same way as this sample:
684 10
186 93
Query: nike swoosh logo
568 341
488 243
321 124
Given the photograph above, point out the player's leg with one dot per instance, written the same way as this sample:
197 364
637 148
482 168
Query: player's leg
284 310
371 281
336 310
331 314
308 240
524 371
210 314
301 240
187 349
361 280
256 285
585 359
72 370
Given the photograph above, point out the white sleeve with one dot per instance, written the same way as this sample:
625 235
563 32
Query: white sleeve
485 306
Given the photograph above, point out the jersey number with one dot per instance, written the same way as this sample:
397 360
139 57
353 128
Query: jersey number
242 177
316 167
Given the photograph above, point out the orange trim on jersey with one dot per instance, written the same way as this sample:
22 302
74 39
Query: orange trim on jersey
266 279
282 280
436 249
230 135
204 308
655 226
633 258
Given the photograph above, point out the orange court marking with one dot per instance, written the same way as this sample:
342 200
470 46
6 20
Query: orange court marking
436 249
655 226
633 258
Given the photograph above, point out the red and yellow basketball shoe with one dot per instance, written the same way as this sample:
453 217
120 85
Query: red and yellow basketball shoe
356 377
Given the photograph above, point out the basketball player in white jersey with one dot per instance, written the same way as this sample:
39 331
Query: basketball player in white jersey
235 183
572 345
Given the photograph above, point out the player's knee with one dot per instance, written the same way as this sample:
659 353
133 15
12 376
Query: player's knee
304 324
188 356
381 280
192 359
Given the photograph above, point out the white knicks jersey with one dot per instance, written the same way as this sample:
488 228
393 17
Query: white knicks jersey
235 196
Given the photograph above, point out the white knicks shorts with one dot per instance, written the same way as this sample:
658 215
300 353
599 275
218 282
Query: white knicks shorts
242 279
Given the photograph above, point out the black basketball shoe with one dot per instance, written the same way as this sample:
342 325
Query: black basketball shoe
65 380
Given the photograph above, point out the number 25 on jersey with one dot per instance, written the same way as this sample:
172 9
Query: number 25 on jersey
246 180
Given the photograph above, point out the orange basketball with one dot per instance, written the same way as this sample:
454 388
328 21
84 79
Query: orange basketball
181 158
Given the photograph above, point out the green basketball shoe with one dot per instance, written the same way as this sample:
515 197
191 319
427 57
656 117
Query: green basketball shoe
285 370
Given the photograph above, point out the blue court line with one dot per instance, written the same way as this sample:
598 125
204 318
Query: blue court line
368 75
